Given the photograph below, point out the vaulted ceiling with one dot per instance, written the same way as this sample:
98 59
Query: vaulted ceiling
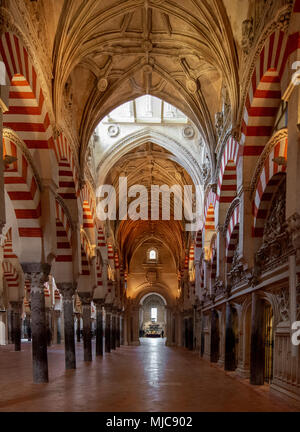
149 165
107 52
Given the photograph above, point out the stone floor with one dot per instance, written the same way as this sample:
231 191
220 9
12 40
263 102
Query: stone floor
151 377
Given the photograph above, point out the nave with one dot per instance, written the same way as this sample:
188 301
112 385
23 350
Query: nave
149 378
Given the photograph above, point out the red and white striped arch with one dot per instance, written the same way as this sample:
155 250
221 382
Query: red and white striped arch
8 252
110 255
68 175
63 267
88 207
268 179
85 254
117 262
211 200
232 234
191 256
23 190
11 275
27 113
210 219
99 272
265 90
101 238
226 191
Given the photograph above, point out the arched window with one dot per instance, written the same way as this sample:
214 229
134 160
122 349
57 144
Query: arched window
152 254
154 314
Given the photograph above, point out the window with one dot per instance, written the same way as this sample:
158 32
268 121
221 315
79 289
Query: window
152 254
154 314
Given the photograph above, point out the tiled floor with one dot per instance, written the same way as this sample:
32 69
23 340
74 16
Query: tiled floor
151 377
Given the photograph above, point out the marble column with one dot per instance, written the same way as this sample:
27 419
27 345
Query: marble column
67 291
257 354
38 274
107 328
87 331
230 364
16 323
214 338
99 326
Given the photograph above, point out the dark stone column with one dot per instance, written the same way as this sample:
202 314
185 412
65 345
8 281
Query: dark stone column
229 341
257 355
38 276
48 327
67 291
118 335
10 326
16 323
107 328
113 330
190 334
87 331
28 327
214 337
121 329
99 326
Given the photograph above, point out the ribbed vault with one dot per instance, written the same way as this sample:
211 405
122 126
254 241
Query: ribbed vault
182 52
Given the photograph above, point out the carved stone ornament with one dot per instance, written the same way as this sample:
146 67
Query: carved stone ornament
247 35
113 131
293 228
219 287
237 272
219 122
277 244
191 86
102 85
188 132
283 302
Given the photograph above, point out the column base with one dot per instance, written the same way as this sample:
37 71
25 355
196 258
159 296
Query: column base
135 343
286 390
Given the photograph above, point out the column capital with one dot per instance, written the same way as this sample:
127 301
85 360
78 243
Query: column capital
108 307
16 304
98 302
85 298
67 289
37 274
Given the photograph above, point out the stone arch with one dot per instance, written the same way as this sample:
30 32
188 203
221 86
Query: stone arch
22 185
132 141
27 115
